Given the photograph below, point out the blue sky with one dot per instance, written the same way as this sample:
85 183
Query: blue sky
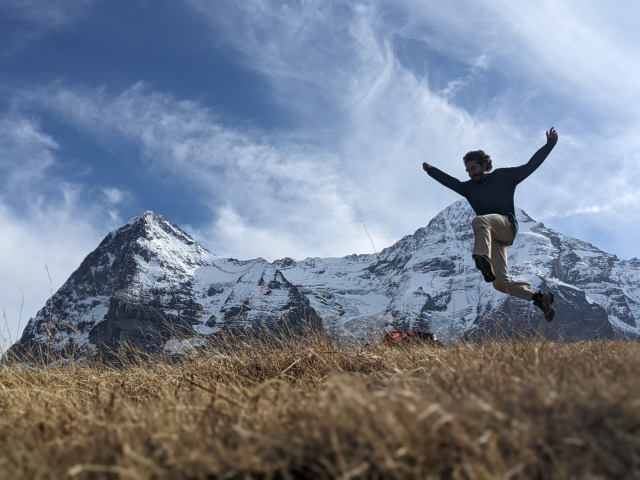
275 129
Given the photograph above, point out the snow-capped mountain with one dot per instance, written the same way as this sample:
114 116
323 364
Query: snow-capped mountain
428 280
148 278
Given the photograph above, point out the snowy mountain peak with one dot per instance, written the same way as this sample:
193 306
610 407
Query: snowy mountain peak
154 225
148 217
149 279
460 213
149 273
147 220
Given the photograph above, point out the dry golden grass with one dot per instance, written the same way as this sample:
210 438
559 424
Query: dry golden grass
313 410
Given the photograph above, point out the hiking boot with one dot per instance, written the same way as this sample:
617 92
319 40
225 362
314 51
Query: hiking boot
543 301
484 265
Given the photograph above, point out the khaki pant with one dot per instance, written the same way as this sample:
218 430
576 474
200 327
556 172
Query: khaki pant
493 236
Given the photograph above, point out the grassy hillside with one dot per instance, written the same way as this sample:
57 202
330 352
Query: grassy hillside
317 410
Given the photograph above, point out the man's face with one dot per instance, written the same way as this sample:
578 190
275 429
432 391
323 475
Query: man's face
476 172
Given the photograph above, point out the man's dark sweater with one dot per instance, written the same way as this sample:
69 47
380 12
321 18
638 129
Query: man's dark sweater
495 193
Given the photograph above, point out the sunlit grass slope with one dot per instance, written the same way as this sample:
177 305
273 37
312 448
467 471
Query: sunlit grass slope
313 409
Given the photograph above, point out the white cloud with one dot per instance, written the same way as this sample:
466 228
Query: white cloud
57 237
371 121
569 41
467 80
36 18
50 14
565 64
234 235
25 152
113 195
579 53
272 183
45 220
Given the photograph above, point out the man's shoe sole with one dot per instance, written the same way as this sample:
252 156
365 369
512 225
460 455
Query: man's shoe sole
552 311
550 315
485 268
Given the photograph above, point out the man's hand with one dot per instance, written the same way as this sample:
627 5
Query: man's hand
425 166
552 135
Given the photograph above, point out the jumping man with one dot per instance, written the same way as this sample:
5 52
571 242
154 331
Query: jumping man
495 226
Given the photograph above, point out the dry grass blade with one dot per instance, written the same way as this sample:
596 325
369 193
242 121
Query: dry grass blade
213 392
309 408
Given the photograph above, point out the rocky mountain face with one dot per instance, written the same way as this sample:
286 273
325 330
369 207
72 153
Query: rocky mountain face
428 280
148 280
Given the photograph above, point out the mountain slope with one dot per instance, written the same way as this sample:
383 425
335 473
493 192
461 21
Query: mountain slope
148 279
429 280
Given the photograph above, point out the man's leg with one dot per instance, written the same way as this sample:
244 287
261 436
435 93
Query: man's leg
482 232
493 235
502 283
489 230
482 246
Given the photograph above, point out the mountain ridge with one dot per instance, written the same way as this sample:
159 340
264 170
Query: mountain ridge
149 276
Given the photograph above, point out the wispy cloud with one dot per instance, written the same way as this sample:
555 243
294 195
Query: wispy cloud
113 195
34 19
25 151
368 121
45 220
579 54
457 84
272 182
570 65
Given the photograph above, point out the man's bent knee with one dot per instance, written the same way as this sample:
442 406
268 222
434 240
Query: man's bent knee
478 222
500 285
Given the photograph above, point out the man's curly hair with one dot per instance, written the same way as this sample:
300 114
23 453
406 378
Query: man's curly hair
480 157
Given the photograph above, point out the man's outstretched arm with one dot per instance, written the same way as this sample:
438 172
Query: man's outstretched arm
518 174
446 180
